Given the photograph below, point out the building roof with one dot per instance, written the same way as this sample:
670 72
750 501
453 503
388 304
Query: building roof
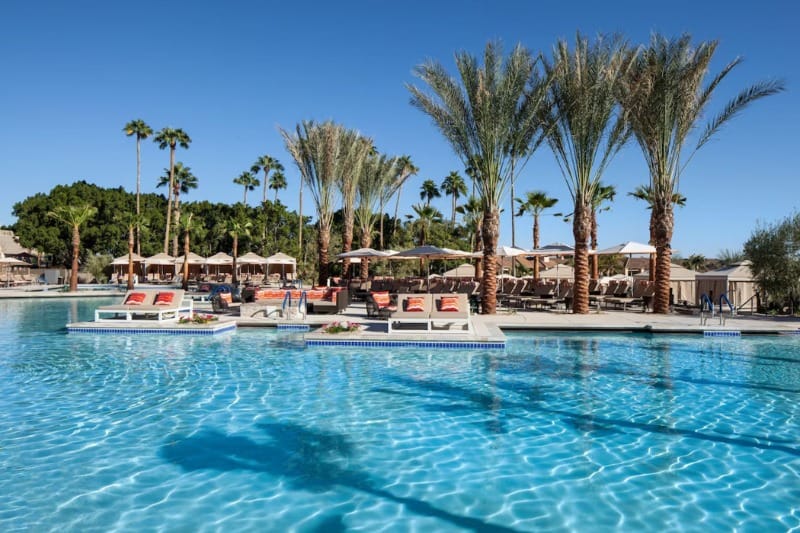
10 246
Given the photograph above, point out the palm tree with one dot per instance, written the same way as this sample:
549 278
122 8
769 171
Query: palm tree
378 171
74 216
265 164
695 262
535 203
603 193
492 107
131 221
426 216
185 224
277 182
355 149
171 138
139 128
248 181
472 214
585 134
429 191
642 192
182 182
318 151
237 227
406 169
664 99
454 186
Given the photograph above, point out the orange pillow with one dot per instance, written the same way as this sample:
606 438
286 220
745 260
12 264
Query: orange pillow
135 298
415 304
381 298
449 304
164 298
226 296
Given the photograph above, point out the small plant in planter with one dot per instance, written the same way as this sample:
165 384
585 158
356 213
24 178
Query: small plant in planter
198 318
341 327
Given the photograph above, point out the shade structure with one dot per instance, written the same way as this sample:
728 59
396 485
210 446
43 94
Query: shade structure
194 259
363 252
219 258
736 281
628 248
509 251
123 259
281 263
12 261
556 248
160 259
461 271
428 251
682 283
558 272
251 258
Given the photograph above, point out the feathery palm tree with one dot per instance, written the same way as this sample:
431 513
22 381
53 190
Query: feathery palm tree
318 151
535 203
429 191
248 181
131 221
182 182
643 192
171 138
266 164
585 134
277 182
491 109
355 149
141 130
454 186
237 227
406 169
664 100
74 216
603 193
186 225
696 262
378 171
426 216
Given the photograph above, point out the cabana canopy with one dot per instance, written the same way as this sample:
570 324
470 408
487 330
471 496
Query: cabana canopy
123 259
219 258
194 259
735 280
251 258
281 263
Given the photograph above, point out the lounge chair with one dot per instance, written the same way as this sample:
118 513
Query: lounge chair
165 305
412 309
379 304
452 310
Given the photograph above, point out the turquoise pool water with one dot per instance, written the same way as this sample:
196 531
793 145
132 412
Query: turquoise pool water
250 432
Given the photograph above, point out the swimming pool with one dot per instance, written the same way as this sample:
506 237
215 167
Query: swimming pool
251 432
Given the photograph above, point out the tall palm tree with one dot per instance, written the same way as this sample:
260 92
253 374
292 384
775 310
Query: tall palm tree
131 221
266 164
248 181
74 216
492 107
139 128
535 203
585 134
429 191
277 182
472 214
378 171
643 192
237 227
454 186
355 149
664 99
318 151
182 182
603 193
171 138
406 169
186 226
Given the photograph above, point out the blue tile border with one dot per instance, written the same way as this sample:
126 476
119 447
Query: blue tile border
294 327
153 331
452 345
729 333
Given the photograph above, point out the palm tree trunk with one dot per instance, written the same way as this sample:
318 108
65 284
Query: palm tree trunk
234 277
535 245
138 194
453 211
176 217
479 248
491 233
130 259
396 210
581 228
323 241
662 224
76 250
593 257
380 232
347 243
185 280
511 210
300 230
366 242
266 186
169 196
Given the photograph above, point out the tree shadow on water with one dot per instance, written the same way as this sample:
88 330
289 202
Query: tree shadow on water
306 459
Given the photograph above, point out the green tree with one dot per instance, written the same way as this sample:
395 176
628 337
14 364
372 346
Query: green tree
74 216
585 134
426 217
490 110
774 255
602 194
277 182
248 181
454 187
237 227
355 149
664 99
142 131
171 138
643 192
377 172
406 170
267 164
696 262
429 191
534 204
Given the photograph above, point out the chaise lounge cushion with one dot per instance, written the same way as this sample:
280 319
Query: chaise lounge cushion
135 298
164 298
415 304
448 304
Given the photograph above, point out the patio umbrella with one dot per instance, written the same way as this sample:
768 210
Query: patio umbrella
628 248
283 261
428 251
363 252
217 260
509 251
194 259
557 249
251 258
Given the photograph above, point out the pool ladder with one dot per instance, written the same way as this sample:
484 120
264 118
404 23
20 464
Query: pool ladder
707 309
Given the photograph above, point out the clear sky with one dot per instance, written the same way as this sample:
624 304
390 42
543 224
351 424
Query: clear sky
230 73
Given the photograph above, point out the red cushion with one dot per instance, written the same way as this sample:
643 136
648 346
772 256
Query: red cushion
164 298
381 298
135 298
448 304
226 296
415 304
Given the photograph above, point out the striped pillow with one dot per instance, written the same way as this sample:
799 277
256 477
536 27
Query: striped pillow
415 304
135 298
226 297
381 298
448 304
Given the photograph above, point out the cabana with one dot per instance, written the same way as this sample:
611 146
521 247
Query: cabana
282 264
120 265
682 283
252 263
735 280
196 264
161 264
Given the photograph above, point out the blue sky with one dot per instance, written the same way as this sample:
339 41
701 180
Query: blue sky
230 73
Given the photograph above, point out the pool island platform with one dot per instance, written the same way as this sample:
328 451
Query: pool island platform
152 327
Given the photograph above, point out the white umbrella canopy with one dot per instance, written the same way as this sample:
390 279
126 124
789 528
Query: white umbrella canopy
219 258
556 248
363 252
461 271
194 259
123 259
509 251
160 259
628 248
251 258
12 261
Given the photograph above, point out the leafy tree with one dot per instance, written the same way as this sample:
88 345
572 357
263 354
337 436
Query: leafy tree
454 186
774 255
535 203
696 262
426 216
238 227
378 171
74 216
267 164
491 109
429 191
585 134
355 149
142 131
644 193
603 193
182 182
171 138
664 99
406 170
248 181
730 257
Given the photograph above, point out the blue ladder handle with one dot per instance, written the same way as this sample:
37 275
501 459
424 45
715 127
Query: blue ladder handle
704 299
287 296
724 296
303 300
